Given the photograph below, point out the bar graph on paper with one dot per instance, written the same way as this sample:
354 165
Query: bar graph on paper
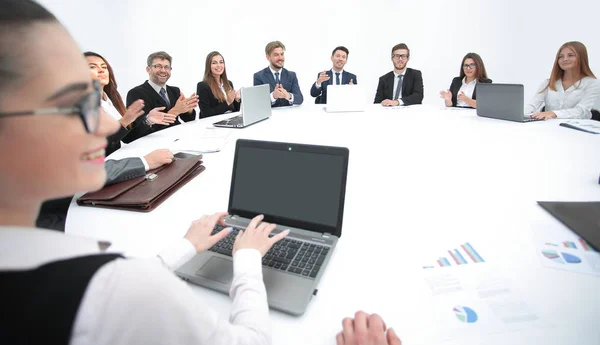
580 244
464 255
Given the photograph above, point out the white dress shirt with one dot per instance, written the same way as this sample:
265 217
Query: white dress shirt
140 301
273 100
332 78
396 86
108 107
572 103
157 88
468 89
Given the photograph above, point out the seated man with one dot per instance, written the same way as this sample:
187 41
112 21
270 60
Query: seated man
339 57
402 86
285 90
156 93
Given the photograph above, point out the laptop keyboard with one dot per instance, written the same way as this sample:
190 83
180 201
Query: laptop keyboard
236 120
293 256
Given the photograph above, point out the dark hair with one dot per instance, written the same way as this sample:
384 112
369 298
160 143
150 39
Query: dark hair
342 48
481 73
111 88
401 46
215 88
15 16
272 46
159 55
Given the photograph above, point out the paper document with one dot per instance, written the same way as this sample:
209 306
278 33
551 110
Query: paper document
206 141
589 126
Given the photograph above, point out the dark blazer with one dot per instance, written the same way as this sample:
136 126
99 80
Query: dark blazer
287 79
152 100
455 87
321 93
209 104
412 87
114 140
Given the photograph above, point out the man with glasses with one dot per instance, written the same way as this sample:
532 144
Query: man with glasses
156 93
402 86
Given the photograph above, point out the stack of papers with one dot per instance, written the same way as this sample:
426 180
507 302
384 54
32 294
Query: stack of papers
589 126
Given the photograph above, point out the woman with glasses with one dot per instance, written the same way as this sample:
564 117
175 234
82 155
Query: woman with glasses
216 94
59 289
571 91
462 91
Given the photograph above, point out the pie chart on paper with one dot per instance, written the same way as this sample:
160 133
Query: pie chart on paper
465 314
561 258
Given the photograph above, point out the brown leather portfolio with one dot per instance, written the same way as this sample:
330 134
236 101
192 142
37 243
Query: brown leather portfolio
145 193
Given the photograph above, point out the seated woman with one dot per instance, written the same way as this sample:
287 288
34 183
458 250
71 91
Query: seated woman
112 103
462 91
216 94
571 91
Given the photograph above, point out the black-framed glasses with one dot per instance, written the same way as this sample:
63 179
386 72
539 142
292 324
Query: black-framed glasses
400 56
469 65
88 109
159 67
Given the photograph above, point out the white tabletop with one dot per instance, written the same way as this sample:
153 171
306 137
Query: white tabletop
421 180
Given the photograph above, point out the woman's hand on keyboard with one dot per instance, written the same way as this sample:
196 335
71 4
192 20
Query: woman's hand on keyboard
200 230
256 236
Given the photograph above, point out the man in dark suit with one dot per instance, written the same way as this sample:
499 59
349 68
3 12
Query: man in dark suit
402 86
156 93
339 57
285 90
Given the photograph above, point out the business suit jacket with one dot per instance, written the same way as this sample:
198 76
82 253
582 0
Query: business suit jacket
209 104
412 87
114 140
287 79
321 93
152 100
455 88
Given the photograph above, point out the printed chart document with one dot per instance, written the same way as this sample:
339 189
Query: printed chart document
589 126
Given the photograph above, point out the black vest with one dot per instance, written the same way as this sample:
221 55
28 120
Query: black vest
39 306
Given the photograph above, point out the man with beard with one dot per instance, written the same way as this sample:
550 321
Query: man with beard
285 90
156 93
402 86
339 57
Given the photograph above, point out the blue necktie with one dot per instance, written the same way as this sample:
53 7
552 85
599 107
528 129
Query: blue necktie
277 78
337 78
163 94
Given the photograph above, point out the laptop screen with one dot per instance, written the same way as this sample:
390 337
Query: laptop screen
294 185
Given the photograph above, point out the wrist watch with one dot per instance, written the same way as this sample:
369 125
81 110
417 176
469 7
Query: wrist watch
147 120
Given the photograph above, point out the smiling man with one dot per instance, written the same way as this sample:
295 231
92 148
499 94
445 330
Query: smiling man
156 93
335 76
402 86
285 90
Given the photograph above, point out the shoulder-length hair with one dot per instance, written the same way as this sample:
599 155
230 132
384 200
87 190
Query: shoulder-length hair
481 72
215 88
111 88
582 62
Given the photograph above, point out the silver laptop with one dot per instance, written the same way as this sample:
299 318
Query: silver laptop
345 98
256 106
502 101
296 186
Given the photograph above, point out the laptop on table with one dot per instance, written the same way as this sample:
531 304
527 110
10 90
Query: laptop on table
255 107
344 98
502 101
298 187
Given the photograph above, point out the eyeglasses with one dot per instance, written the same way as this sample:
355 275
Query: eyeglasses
469 65
166 68
88 109
400 57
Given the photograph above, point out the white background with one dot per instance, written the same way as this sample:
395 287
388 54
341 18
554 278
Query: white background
517 40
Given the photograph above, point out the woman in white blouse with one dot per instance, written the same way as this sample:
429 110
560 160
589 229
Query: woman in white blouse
572 90
462 91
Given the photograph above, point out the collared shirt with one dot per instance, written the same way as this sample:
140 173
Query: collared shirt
467 89
273 100
157 89
140 300
332 78
575 102
396 85
109 108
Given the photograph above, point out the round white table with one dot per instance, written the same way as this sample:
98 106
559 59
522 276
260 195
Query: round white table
422 180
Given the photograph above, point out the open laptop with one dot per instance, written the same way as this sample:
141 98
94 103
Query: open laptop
502 101
256 106
344 98
297 187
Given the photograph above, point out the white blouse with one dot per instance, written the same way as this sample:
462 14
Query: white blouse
468 89
110 109
575 102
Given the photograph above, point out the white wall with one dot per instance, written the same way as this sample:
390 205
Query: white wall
516 39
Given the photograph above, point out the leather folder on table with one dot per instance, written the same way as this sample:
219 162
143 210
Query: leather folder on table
145 193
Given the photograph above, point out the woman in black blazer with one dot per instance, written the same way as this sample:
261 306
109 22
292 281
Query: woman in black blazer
216 94
463 88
